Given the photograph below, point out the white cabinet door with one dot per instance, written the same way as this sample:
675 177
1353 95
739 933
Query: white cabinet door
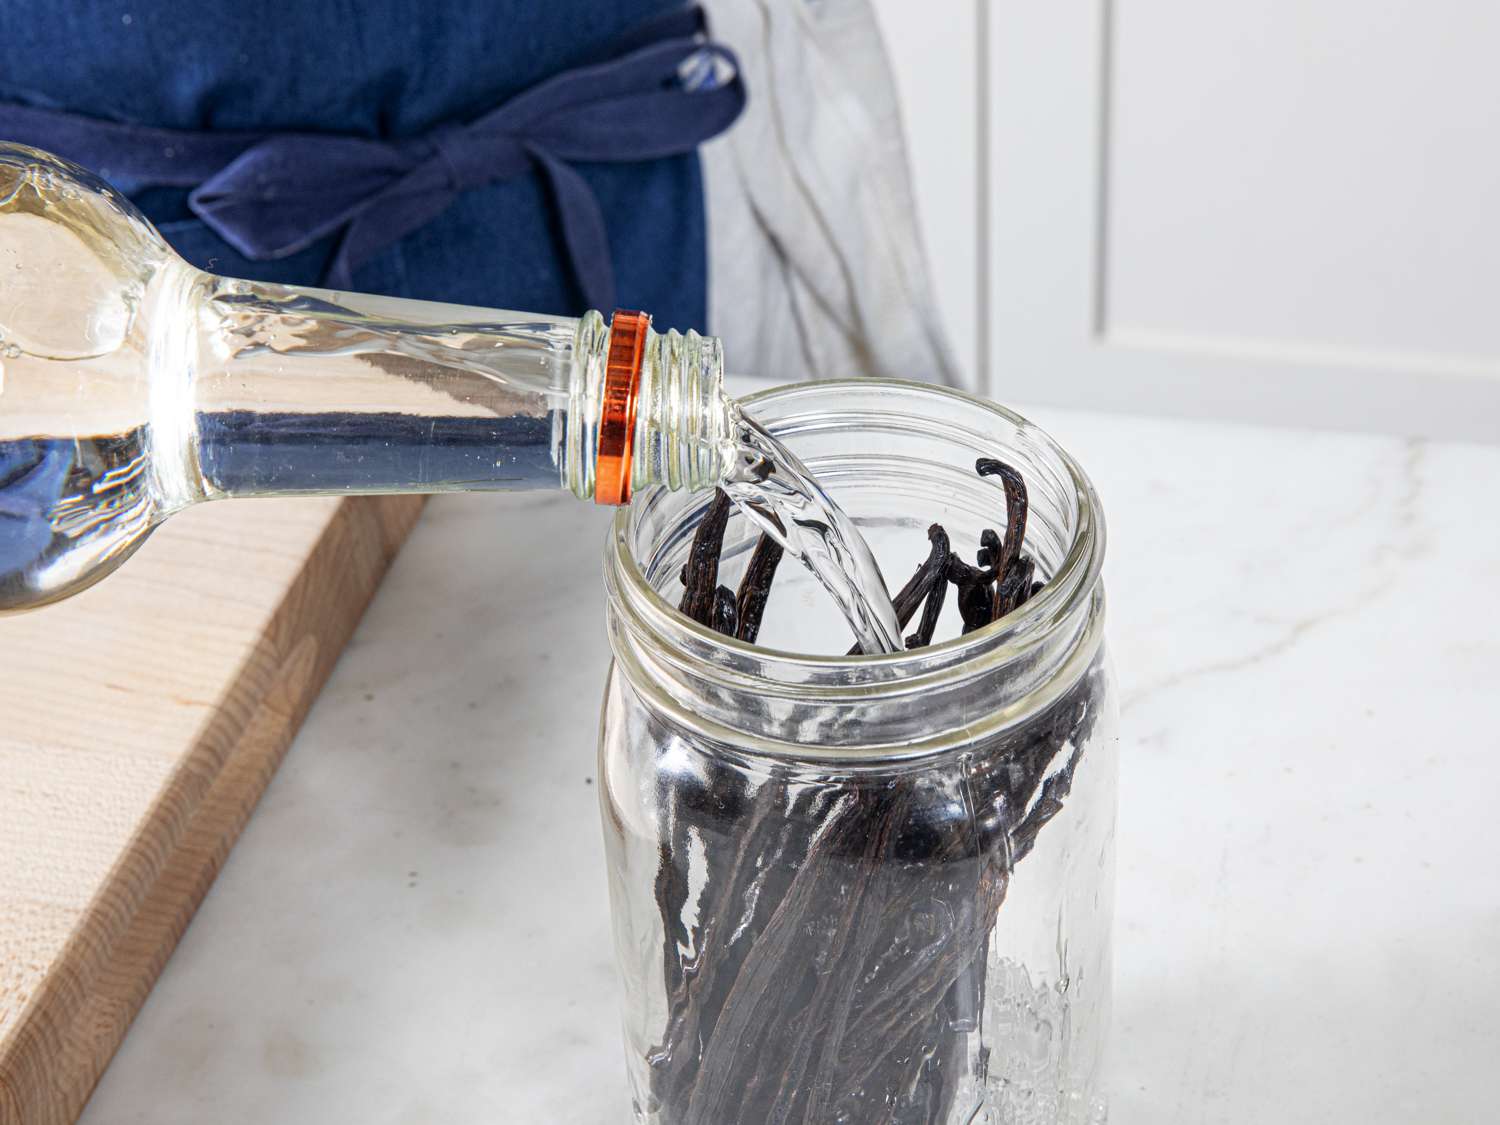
1271 210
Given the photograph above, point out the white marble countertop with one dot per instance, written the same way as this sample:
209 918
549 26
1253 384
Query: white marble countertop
413 928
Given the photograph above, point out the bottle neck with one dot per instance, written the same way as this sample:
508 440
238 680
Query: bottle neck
665 393
298 391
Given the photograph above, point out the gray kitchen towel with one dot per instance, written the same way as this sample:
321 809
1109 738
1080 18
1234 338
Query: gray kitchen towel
818 269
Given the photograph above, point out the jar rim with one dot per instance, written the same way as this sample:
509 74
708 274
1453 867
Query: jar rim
738 665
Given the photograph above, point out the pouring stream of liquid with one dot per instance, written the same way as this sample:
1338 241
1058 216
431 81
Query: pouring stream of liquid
775 490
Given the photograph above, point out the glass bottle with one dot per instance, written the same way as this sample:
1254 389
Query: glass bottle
133 385
852 889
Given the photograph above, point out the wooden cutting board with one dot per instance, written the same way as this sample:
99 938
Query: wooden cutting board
139 724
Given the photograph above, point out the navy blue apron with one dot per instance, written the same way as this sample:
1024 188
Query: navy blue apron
383 81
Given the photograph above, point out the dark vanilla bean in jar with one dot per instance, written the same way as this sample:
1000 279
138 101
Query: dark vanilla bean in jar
866 889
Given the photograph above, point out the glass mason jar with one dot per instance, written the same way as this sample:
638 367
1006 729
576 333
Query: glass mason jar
865 889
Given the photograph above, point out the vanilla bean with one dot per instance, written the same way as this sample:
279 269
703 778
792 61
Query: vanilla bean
725 613
932 609
920 584
702 569
989 547
1009 592
1015 508
917 587
975 600
1015 587
961 573
755 587
671 888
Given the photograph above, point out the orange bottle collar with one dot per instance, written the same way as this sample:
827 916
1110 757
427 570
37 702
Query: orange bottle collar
622 376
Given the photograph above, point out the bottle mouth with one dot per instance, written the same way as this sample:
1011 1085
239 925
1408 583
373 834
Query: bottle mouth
892 453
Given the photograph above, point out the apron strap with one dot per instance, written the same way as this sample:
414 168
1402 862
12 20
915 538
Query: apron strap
665 90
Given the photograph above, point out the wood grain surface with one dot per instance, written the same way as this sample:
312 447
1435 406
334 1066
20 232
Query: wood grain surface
139 724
